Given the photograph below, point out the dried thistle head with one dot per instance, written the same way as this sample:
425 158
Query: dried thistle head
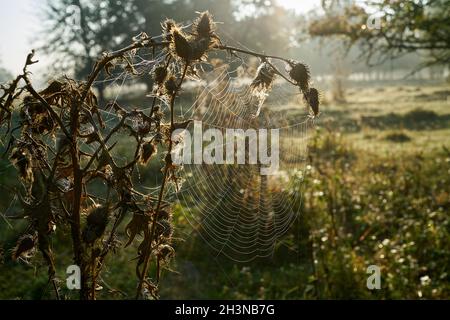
21 159
160 74
300 73
199 48
312 97
25 247
195 47
167 27
165 252
171 86
96 223
164 215
203 26
181 45
265 76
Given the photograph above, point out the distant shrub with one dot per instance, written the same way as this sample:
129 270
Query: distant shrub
398 137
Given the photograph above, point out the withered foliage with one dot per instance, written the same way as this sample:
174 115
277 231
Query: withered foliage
265 77
46 146
24 248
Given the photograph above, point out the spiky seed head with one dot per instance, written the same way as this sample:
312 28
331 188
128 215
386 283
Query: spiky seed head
148 149
21 159
203 26
164 215
301 75
199 48
313 100
165 252
98 216
96 223
265 76
24 247
171 86
160 74
167 27
181 45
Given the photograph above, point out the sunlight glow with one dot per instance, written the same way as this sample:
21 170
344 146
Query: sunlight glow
300 6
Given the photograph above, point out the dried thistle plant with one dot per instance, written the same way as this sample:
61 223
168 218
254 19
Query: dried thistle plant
57 173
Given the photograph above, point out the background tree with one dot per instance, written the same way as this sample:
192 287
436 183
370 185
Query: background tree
406 26
78 31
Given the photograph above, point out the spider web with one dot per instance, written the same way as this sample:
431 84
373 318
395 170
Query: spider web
240 213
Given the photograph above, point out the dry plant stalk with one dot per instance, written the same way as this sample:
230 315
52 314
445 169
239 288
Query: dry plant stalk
57 174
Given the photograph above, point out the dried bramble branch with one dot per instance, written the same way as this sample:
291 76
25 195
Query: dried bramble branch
58 175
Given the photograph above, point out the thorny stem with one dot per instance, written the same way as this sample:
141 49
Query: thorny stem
56 118
279 73
263 57
55 287
252 53
94 156
77 193
100 65
77 171
163 184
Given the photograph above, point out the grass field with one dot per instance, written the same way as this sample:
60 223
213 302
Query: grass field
394 119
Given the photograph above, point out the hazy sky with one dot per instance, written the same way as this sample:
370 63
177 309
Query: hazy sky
19 25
